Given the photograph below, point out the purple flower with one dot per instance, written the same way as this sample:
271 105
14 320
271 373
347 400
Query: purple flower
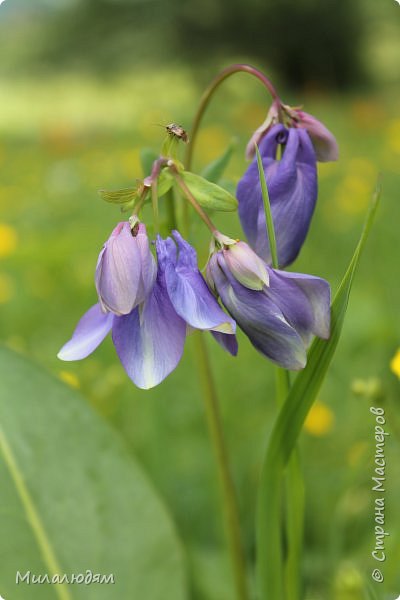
150 339
126 269
292 186
281 317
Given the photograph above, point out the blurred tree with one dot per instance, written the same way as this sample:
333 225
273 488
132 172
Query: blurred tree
307 41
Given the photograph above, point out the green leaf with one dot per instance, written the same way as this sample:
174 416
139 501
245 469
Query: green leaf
147 157
289 424
209 195
214 171
119 196
74 498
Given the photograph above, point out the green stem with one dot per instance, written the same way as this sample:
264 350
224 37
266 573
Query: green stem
294 486
295 504
154 201
171 210
208 93
230 508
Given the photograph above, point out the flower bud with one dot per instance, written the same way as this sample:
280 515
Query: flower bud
246 266
126 269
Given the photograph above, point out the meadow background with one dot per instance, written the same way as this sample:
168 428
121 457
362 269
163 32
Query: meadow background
83 86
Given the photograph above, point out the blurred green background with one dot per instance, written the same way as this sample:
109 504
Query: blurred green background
84 85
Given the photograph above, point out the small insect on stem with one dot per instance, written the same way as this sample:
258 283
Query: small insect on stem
177 131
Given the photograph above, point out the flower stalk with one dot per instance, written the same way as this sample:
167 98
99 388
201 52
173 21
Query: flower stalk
230 510
209 92
229 502
288 578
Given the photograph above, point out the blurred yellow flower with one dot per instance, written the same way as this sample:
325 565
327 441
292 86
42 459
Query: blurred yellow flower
69 378
320 420
8 239
371 388
6 288
395 364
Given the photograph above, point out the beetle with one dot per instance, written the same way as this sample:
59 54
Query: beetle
177 131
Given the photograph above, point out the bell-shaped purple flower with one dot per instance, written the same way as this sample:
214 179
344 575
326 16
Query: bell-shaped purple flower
292 186
150 339
280 318
126 269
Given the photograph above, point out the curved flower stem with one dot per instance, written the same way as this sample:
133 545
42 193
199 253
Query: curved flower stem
285 582
207 95
230 508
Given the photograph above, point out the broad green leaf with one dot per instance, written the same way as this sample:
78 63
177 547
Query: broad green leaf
214 171
290 422
119 196
209 195
147 157
211 574
73 498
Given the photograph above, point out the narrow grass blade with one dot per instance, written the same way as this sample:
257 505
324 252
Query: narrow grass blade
290 421
267 210
214 171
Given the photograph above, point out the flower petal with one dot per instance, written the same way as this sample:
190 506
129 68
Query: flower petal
148 265
150 340
118 271
304 300
227 341
324 142
261 320
188 291
292 186
271 119
89 333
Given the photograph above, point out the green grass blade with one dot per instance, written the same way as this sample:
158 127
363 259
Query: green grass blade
215 170
290 422
267 210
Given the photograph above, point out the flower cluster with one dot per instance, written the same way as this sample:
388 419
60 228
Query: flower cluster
149 309
151 298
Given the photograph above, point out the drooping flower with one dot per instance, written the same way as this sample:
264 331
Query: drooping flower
292 187
281 316
150 339
126 269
